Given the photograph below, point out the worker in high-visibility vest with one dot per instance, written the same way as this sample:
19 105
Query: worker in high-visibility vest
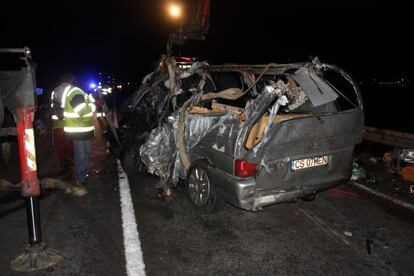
72 109
78 109
62 146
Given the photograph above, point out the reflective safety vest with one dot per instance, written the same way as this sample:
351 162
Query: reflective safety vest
78 122
100 114
56 104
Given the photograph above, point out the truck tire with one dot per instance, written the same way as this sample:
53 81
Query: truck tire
201 191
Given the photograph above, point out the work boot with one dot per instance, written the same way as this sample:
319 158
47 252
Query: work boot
78 189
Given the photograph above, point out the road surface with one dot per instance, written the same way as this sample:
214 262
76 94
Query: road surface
345 231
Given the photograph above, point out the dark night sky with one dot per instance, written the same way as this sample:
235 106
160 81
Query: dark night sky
126 37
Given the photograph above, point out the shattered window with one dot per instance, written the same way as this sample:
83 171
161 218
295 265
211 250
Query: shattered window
226 80
348 98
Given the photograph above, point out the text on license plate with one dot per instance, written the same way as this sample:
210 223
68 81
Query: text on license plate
309 162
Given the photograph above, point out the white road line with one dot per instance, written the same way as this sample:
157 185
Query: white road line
133 254
387 197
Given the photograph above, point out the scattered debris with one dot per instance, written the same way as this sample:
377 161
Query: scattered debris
46 183
348 233
6 185
411 190
373 160
407 173
357 172
388 157
407 155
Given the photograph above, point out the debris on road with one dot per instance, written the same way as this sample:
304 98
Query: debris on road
348 233
6 185
357 172
47 183
373 160
388 157
407 173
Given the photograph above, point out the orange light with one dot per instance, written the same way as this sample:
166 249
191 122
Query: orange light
175 10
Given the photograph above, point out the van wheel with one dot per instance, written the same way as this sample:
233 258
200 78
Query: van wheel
201 191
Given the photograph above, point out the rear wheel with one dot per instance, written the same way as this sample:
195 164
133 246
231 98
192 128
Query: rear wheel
201 191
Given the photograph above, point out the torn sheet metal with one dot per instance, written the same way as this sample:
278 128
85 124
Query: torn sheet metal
158 152
318 91
254 110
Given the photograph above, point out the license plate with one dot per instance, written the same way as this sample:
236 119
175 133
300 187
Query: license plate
309 162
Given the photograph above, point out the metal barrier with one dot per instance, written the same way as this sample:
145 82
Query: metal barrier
391 138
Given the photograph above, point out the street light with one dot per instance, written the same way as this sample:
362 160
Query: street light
175 10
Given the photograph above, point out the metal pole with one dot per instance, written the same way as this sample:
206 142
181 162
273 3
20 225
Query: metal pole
33 220
36 256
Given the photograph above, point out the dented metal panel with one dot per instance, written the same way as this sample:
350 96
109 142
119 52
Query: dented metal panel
334 136
318 91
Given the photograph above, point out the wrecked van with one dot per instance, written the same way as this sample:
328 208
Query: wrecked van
250 135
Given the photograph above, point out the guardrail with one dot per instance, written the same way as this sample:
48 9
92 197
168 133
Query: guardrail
392 138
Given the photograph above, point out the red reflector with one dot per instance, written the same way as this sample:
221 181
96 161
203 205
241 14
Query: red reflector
244 169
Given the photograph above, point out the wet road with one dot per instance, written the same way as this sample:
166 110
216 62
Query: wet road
287 239
343 232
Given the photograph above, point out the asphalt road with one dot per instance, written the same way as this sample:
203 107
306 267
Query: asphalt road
343 232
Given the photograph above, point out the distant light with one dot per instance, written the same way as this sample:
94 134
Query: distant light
106 91
39 91
92 85
27 51
175 10
119 86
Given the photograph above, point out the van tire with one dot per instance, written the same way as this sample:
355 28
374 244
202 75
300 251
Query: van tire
201 191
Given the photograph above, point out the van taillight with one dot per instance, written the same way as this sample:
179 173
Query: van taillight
244 169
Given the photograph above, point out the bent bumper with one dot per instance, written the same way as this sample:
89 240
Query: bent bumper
242 192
